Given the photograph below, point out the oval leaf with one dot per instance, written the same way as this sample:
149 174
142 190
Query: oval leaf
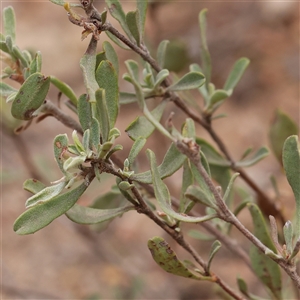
107 79
40 216
111 55
30 96
161 53
9 21
88 215
33 186
132 23
189 81
166 258
236 73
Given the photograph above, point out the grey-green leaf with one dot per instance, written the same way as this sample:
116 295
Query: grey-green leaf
141 127
282 127
196 194
36 63
259 155
161 53
65 89
33 186
189 81
135 150
46 194
265 268
40 216
88 215
9 21
166 258
236 73
162 195
60 147
142 10
205 55
127 98
107 79
30 96
102 114
84 111
111 55
172 161
213 251
133 25
291 164
6 90
116 10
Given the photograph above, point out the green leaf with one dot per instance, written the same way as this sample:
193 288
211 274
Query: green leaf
133 69
30 96
65 89
74 162
116 10
84 112
33 186
236 73
18 54
189 81
288 236
95 133
291 165
6 90
259 155
127 98
282 127
4 47
166 258
172 162
102 114
133 25
46 194
160 77
142 11
141 127
88 65
107 79
163 198
213 251
205 55
216 99
135 150
60 144
40 216
161 53
9 21
197 194
104 17
265 268
88 215
111 55
36 63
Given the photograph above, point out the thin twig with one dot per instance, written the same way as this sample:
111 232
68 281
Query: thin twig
50 108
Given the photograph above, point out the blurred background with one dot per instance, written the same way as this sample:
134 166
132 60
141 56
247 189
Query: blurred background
68 261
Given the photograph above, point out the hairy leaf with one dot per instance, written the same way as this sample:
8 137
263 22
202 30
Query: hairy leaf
84 110
162 195
111 55
282 127
236 73
88 215
40 216
6 90
133 25
166 258
141 127
33 186
65 89
161 53
264 267
30 96
135 150
9 21
102 114
107 79
189 81
291 164
142 10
